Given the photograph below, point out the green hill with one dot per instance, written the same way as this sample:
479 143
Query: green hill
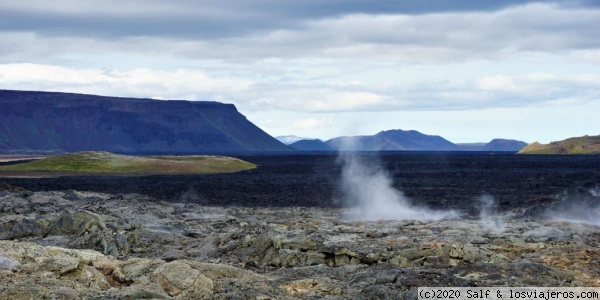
576 145
104 163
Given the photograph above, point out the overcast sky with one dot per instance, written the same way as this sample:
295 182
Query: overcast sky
469 71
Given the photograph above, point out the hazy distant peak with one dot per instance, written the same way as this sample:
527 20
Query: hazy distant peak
311 145
289 139
395 140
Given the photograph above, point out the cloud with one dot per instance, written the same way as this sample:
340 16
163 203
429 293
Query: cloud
400 33
215 19
176 84
312 123
322 97
308 56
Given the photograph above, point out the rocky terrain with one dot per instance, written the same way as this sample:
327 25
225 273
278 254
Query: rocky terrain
84 245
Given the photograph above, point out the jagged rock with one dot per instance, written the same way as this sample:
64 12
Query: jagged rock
21 227
133 246
313 287
76 223
5 187
73 195
8 263
179 279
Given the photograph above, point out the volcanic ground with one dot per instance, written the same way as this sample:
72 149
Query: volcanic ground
437 180
277 232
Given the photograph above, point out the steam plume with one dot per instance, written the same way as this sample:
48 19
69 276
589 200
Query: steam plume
489 218
581 206
369 191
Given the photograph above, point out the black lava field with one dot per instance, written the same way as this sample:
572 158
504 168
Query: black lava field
438 180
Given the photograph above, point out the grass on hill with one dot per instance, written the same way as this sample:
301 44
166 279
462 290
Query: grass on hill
576 145
97 163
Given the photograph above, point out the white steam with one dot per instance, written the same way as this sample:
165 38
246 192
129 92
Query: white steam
595 191
369 191
581 207
489 218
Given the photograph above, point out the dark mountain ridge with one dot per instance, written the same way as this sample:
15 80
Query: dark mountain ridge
393 140
50 121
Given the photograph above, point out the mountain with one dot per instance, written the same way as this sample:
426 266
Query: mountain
576 145
471 146
504 145
311 145
494 145
48 121
393 140
289 139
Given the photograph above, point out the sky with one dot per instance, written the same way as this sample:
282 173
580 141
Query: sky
467 70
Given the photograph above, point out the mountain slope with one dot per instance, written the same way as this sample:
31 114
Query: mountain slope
576 145
393 140
51 121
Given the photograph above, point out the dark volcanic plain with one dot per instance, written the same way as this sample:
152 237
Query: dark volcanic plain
439 180
246 235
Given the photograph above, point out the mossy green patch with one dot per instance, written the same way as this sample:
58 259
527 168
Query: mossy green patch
577 145
95 163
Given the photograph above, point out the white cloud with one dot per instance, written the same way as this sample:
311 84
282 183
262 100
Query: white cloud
312 123
592 55
497 83
176 84
441 37
250 94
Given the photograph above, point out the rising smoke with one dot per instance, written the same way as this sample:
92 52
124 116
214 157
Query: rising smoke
489 217
368 191
580 206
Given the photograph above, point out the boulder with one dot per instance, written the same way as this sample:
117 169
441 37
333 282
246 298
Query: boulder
180 279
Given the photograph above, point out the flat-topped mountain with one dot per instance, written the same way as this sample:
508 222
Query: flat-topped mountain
393 140
49 121
576 145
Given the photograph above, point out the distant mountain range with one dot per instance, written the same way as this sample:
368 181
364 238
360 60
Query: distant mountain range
66 122
494 145
48 121
400 140
576 145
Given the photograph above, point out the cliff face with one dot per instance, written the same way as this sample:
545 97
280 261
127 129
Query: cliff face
74 122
